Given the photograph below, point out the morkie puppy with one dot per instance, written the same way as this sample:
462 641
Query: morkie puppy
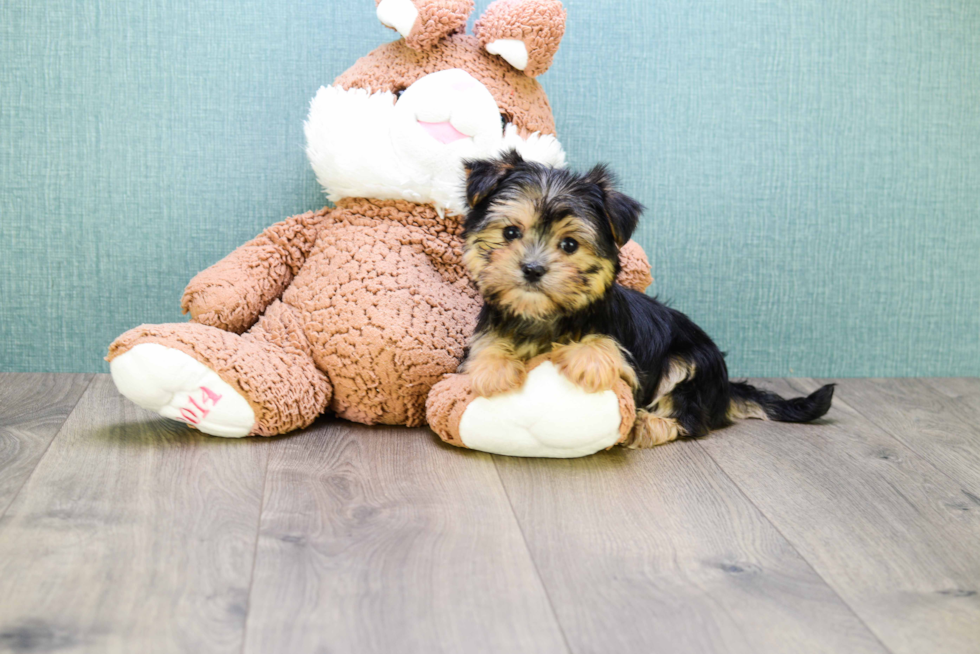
542 245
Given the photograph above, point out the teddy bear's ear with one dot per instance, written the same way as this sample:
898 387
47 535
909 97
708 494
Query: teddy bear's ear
524 32
424 23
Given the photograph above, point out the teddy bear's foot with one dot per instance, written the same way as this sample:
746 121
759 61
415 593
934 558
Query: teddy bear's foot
547 417
204 374
179 387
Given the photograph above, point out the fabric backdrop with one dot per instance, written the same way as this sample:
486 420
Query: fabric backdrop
811 169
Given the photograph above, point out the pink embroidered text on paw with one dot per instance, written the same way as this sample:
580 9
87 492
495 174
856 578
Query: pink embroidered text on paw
199 412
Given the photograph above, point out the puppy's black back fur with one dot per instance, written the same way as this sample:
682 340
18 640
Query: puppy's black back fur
656 336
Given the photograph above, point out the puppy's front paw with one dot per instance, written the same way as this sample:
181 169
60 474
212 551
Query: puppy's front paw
651 430
594 364
493 375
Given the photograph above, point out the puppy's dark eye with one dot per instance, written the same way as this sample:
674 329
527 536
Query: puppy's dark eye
398 92
504 121
512 233
568 245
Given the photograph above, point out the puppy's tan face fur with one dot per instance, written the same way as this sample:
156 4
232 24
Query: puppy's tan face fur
528 229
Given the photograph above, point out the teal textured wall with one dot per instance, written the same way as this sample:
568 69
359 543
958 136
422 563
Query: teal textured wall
812 169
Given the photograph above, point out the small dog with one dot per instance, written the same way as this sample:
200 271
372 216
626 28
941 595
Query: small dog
542 245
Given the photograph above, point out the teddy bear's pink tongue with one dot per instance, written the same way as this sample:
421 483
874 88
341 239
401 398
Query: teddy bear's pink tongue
442 132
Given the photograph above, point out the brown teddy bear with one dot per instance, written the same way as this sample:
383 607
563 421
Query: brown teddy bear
362 308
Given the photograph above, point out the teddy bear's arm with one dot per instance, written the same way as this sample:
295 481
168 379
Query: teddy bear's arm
635 268
233 293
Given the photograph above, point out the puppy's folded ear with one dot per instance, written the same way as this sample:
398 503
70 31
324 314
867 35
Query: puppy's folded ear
483 176
622 212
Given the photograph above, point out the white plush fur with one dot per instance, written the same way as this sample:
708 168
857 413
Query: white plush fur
548 417
364 144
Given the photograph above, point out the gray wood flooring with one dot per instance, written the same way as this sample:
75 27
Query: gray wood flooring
122 532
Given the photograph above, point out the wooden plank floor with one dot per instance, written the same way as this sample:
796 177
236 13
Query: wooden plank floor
122 532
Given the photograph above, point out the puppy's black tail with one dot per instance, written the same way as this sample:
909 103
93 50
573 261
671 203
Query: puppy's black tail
751 402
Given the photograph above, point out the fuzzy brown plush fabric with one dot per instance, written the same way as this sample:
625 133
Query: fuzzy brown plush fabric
377 297
539 24
361 308
437 19
271 366
395 66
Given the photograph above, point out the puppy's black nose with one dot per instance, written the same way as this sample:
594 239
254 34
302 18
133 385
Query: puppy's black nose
533 271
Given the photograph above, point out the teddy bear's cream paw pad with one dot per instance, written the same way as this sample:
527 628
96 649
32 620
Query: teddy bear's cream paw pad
179 387
548 417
